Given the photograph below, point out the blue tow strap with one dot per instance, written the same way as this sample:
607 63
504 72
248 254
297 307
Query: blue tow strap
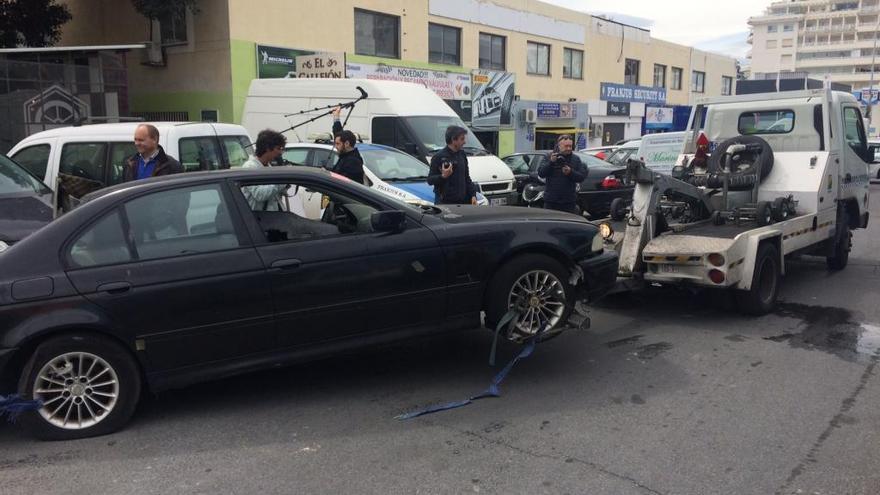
493 390
12 406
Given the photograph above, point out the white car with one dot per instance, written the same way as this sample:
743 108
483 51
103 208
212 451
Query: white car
386 169
874 166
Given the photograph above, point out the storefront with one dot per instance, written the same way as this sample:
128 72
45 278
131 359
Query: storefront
540 123
619 112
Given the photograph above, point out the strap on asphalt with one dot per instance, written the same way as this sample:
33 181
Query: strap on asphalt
12 406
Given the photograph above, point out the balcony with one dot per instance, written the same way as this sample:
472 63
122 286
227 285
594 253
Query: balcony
838 28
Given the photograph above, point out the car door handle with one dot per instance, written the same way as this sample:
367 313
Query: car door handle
115 287
286 264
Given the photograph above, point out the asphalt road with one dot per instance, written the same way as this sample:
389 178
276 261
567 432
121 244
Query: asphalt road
667 393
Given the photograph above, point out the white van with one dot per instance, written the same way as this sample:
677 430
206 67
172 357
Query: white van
406 116
661 150
98 152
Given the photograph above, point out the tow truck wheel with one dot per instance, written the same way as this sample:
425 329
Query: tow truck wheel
842 243
717 218
780 209
764 213
618 209
761 297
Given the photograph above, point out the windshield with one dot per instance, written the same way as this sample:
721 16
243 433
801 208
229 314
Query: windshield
431 132
620 155
394 166
16 180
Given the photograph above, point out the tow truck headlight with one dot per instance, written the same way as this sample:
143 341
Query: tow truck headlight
598 244
716 259
605 230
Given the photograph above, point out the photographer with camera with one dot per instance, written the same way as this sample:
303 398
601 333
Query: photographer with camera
562 172
449 173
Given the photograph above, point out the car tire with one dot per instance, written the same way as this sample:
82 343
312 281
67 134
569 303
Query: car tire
617 209
766 157
761 297
764 213
842 243
780 209
85 360
510 288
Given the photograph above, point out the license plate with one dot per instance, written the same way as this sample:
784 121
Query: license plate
668 269
498 201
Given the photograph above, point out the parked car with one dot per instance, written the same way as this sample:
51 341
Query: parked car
624 152
604 181
25 203
600 152
874 166
172 280
387 170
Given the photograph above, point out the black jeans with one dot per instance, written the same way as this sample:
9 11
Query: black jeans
566 207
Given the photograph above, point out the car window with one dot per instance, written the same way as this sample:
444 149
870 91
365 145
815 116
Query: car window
34 158
119 155
14 179
103 243
519 164
180 222
394 165
766 122
854 132
324 158
296 156
238 149
84 160
289 212
199 153
535 162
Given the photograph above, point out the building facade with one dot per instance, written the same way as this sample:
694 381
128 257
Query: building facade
518 71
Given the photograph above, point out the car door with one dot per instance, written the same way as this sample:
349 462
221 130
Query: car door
176 268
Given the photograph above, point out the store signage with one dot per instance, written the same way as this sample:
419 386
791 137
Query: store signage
275 61
658 118
447 85
867 95
630 93
618 109
550 110
493 95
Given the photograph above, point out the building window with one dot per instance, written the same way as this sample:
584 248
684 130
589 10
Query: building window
173 27
771 43
787 28
785 59
698 81
492 52
444 44
572 64
538 61
787 43
772 28
631 72
376 34
726 85
659 76
677 76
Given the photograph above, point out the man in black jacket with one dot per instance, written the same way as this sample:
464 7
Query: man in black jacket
350 163
562 172
449 173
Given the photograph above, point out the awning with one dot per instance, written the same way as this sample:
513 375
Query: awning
561 131
86 48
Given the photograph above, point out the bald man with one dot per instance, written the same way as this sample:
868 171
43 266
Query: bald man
150 159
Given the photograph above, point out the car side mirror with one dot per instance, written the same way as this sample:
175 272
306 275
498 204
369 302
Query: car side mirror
410 148
388 221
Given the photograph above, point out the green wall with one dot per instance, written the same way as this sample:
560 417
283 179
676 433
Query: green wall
506 142
193 102
244 70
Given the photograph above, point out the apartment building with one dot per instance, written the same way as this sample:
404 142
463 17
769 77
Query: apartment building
543 69
833 40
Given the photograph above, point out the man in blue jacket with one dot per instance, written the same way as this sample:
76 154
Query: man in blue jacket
449 173
562 172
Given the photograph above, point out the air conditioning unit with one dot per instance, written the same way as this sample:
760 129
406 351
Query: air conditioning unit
154 54
596 130
527 115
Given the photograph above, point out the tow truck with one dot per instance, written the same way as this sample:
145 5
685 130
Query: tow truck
760 178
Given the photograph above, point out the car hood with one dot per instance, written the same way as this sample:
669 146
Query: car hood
22 215
459 214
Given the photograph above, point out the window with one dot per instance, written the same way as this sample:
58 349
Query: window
237 149
180 222
307 211
84 160
785 59
698 81
173 27
772 28
34 158
771 43
390 165
444 44
677 76
726 85
376 34
631 72
15 179
101 244
572 64
492 52
787 43
199 153
119 155
659 76
296 156
854 131
787 28
519 164
766 122
538 58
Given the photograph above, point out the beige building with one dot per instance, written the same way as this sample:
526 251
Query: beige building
566 67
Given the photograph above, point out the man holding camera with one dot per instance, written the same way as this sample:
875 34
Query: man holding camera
562 172
449 173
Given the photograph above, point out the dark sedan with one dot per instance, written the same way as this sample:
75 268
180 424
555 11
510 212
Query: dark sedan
603 184
25 203
169 281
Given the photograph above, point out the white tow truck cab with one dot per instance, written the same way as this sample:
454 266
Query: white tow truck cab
761 177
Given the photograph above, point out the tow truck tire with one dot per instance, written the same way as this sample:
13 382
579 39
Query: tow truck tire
780 209
842 243
764 213
766 157
504 281
717 218
617 209
761 297
84 370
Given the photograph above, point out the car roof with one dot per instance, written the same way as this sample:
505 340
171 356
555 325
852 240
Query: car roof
360 146
124 129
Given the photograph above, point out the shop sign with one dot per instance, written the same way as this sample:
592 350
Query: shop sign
618 109
549 110
493 95
867 95
447 85
658 117
630 93
275 61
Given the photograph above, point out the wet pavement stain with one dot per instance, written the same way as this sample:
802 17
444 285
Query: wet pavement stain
829 329
627 341
736 338
637 399
651 351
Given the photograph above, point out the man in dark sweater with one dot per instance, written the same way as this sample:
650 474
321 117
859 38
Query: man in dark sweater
350 163
562 172
449 173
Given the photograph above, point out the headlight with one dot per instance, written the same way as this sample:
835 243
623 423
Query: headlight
3 246
605 230
598 244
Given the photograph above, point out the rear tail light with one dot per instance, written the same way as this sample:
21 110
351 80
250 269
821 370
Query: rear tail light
716 276
611 182
716 259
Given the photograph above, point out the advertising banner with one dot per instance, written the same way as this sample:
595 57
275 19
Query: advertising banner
551 110
493 94
636 94
447 85
274 61
658 118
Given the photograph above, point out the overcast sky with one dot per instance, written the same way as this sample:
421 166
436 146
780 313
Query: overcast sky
706 24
